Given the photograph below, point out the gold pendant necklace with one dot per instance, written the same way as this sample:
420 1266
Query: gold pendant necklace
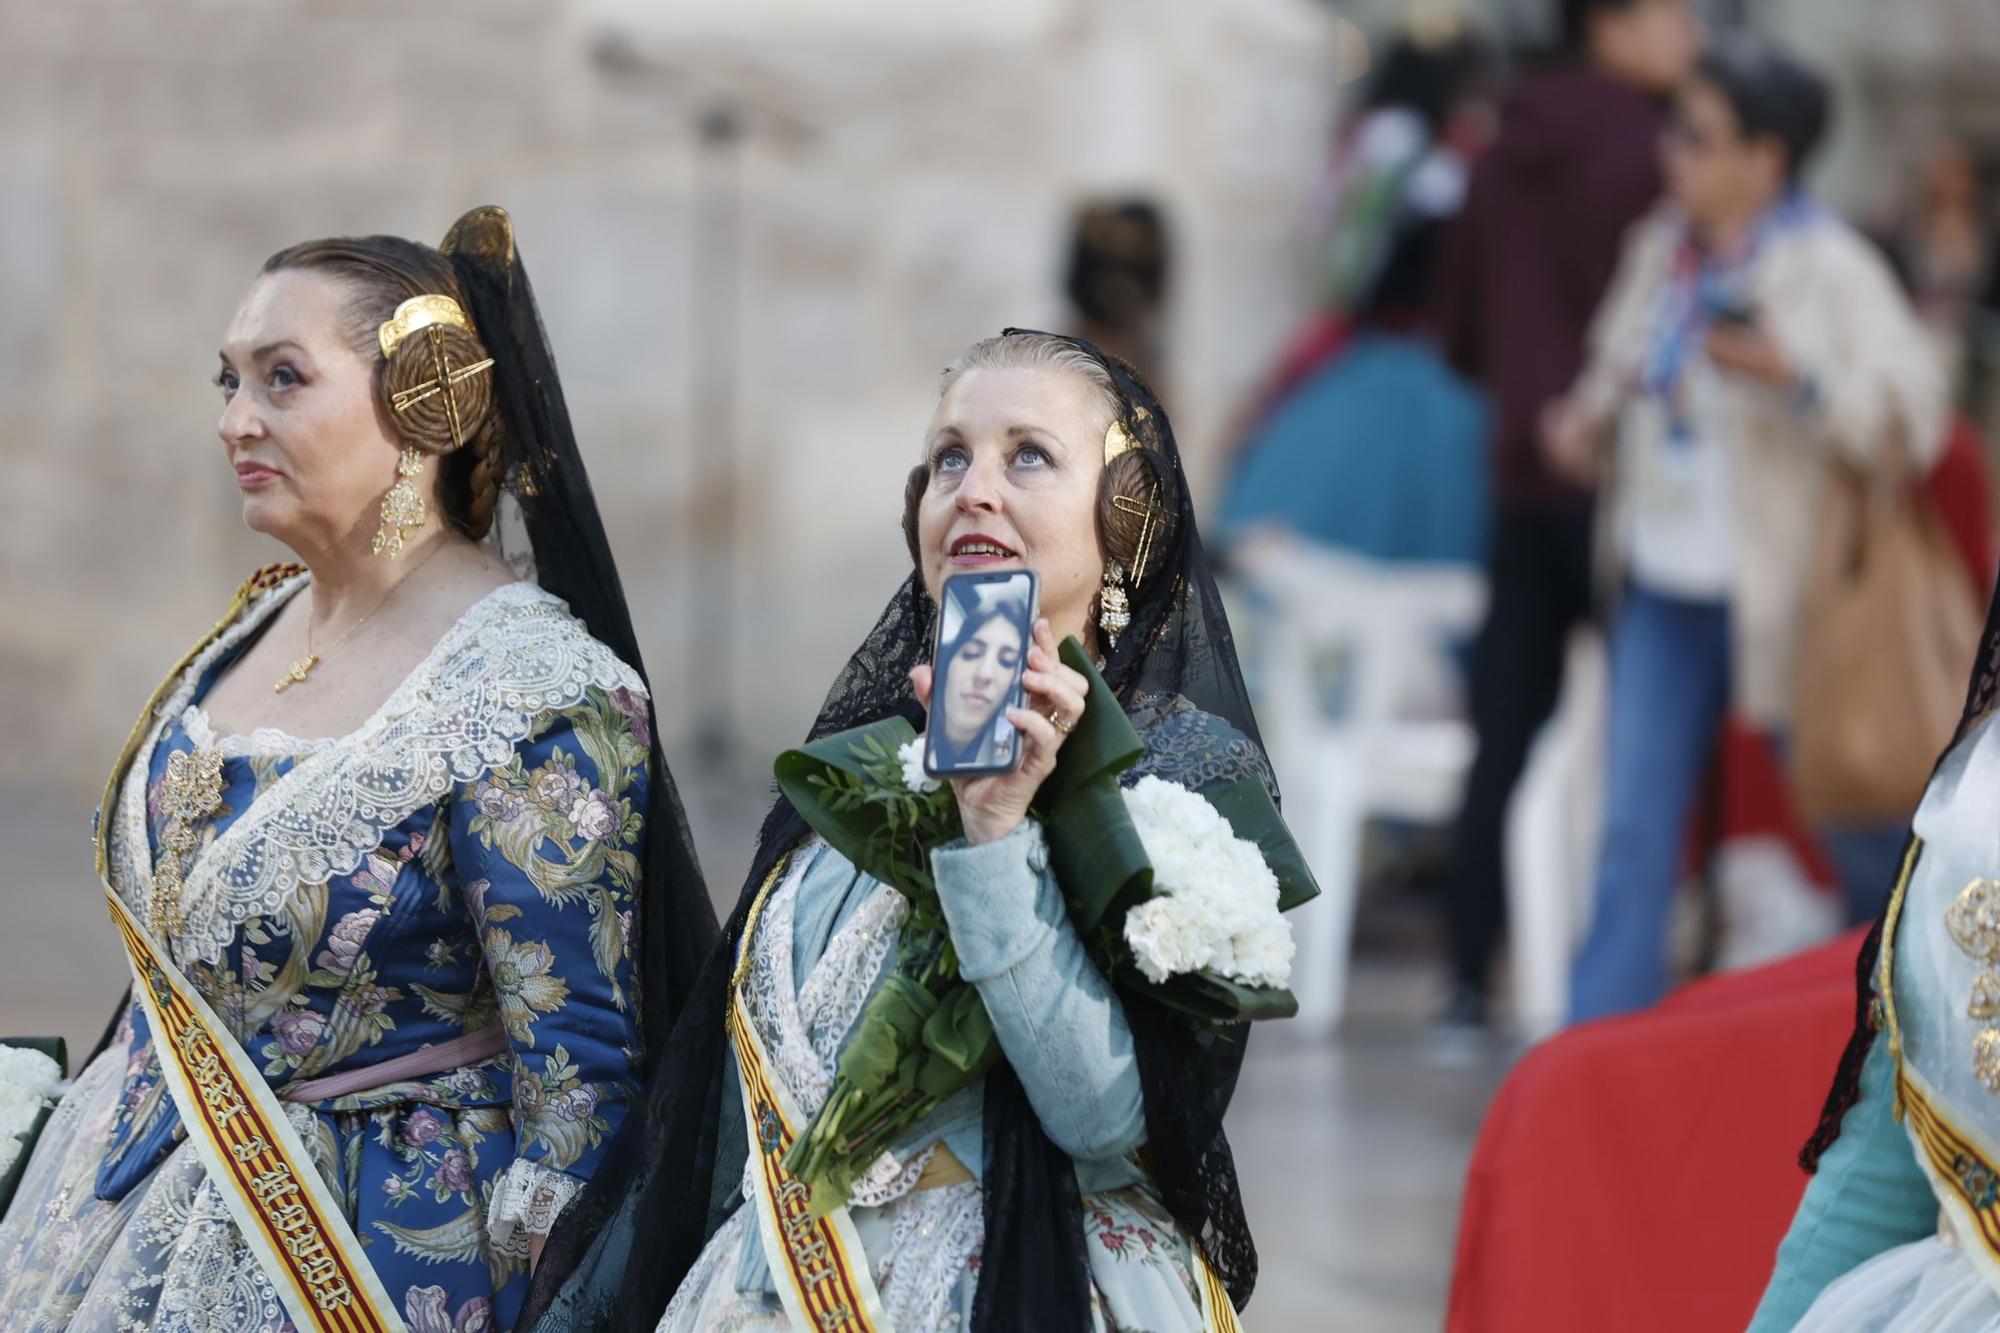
300 669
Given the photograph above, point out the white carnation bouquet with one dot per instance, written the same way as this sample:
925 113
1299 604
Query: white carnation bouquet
31 1080
1215 903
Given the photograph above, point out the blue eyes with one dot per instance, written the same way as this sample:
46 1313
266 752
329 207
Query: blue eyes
953 458
284 377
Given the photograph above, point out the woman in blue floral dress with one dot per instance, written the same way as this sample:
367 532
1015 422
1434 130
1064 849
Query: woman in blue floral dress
427 843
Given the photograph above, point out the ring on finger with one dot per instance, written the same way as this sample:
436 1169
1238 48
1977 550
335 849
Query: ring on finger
1059 722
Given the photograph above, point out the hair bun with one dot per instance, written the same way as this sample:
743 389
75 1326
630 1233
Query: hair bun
433 418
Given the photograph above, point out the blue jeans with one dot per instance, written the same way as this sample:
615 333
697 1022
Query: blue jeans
1669 694
1868 859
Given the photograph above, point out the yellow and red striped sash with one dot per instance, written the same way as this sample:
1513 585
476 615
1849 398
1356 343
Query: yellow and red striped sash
279 1201
820 1264
1964 1170
1216 1305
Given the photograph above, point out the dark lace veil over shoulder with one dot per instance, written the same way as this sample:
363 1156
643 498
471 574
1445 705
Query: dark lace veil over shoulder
1194 748
552 528
622 1248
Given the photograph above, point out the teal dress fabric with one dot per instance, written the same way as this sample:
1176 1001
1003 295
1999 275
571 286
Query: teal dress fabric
1381 453
1869 1195
506 903
1866 1235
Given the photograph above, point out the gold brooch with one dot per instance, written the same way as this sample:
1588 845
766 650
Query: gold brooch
1973 919
193 792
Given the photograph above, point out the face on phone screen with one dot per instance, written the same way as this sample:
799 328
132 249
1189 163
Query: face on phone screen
982 649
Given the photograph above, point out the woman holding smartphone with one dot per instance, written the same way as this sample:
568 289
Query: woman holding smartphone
1085 1180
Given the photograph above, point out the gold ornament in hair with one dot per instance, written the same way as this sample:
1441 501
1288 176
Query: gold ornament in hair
1118 440
431 315
417 313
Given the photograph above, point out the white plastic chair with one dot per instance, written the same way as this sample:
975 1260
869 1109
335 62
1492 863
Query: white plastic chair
1360 709
1553 827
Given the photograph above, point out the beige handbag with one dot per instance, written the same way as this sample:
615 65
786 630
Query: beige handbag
1887 634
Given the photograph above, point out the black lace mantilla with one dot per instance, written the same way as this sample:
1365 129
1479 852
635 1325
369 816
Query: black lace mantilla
1194 748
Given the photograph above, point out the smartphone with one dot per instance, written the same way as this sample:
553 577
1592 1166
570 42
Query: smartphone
985 624
1736 312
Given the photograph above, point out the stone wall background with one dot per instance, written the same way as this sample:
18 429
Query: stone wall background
749 336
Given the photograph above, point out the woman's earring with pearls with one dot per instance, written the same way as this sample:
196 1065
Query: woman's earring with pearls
1114 612
403 508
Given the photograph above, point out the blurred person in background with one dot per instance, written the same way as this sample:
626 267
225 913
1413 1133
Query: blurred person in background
1116 281
1367 441
1575 163
1750 342
1947 251
412 1014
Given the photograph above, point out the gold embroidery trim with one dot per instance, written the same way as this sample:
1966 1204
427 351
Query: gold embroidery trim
259 583
1885 967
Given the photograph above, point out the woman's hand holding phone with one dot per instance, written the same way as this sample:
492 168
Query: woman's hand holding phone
994 805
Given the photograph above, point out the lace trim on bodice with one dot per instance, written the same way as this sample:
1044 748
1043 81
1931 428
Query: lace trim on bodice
515 656
129 859
261 743
526 1202
802 1028
936 1234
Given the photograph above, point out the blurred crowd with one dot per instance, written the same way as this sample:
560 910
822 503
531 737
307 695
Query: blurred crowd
1582 326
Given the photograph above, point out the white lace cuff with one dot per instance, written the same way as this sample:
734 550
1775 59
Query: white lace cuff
526 1203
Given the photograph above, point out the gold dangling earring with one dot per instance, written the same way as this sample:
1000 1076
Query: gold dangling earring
1114 613
403 507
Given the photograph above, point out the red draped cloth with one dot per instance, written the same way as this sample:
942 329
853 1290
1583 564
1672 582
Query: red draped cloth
1637 1173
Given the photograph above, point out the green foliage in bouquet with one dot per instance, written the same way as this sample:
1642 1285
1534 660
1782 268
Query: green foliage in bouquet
925 1033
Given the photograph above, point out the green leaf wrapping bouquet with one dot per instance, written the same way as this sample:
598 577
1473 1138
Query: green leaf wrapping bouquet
1177 895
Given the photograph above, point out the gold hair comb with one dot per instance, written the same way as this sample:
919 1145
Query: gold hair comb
1117 441
419 312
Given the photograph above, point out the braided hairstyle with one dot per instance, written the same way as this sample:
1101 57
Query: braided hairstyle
379 274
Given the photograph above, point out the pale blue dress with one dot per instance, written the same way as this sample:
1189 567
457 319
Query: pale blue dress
826 938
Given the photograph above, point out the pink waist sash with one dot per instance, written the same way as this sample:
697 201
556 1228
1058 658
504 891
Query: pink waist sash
459 1051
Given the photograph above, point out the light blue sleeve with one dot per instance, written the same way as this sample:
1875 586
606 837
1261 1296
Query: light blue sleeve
1868 1196
1057 1019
